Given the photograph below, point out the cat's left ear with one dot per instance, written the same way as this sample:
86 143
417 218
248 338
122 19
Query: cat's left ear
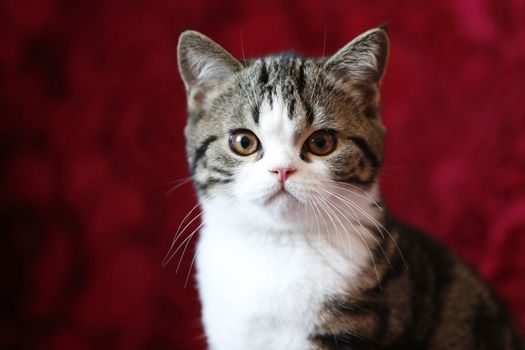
363 60
203 64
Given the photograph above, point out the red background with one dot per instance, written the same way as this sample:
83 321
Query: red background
92 112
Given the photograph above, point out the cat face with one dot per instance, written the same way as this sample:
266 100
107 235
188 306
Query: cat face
283 134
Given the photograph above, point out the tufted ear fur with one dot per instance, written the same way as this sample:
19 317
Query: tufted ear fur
361 61
203 64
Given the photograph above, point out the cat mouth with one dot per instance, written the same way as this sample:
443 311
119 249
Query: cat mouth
281 194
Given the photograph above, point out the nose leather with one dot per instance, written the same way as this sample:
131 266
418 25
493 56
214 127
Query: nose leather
283 172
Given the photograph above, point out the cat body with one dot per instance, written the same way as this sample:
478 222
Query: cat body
297 250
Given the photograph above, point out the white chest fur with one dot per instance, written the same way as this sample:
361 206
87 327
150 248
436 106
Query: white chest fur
265 291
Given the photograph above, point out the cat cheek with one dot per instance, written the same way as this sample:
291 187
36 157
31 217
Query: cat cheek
245 182
320 169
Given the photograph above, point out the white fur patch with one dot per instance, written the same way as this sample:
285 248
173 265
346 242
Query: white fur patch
266 266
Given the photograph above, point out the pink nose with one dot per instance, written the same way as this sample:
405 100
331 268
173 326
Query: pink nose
283 172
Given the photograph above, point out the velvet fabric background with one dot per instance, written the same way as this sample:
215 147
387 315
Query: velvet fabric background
92 112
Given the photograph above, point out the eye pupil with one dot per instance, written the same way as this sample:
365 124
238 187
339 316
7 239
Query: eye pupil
320 142
245 142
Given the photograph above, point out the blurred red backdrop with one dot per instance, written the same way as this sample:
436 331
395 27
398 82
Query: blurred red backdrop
92 112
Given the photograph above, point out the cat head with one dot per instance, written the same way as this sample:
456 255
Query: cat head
284 137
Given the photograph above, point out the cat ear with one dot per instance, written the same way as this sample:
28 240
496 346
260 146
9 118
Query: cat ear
203 64
362 60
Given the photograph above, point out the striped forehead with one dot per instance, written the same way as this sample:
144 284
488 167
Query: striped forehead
284 102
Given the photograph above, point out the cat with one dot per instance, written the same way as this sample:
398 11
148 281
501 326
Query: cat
297 249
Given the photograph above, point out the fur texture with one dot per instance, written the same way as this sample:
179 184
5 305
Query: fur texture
314 262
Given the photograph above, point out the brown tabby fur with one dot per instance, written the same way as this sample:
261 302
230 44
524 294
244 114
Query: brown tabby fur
422 298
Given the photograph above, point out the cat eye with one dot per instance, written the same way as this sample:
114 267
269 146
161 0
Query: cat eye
321 142
244 142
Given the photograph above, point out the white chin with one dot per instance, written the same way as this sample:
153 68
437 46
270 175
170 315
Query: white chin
283 205
282 199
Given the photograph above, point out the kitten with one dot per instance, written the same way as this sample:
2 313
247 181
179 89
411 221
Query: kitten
297 250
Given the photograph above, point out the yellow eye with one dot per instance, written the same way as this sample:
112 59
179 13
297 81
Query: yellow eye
321 142
244 142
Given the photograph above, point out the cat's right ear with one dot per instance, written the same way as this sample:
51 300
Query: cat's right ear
203 64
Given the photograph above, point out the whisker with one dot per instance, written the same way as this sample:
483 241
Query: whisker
340 185
180 183
378 226
324 221
354 214
344 235
194 254
360 234
362 211
366 244
308 203
354 186
179 232
187 240
191 266
175 181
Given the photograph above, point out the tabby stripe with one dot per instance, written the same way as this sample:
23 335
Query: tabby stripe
262 81
263 74
301 82
358 181
269 93
366 150
342 341
441 288
214 180
199 153
309 113
211 181
221 171
354 179
351 308
291 108
255 113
